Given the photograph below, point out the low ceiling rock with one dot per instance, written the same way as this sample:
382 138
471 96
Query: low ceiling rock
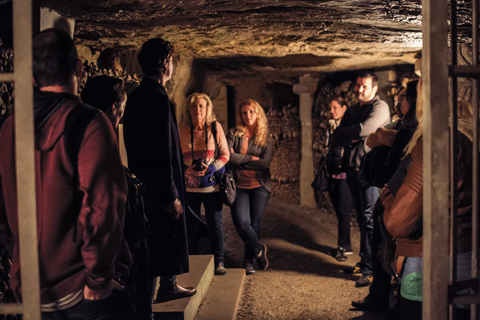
323 35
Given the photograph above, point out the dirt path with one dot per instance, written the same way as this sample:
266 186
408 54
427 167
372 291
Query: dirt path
302 281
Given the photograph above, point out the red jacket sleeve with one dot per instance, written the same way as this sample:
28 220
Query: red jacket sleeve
102 215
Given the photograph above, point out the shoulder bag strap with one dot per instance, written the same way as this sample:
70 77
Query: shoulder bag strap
206 139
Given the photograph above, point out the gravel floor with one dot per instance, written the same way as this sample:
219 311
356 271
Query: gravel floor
302 281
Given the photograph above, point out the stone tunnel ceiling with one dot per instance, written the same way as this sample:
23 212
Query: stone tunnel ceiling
330 34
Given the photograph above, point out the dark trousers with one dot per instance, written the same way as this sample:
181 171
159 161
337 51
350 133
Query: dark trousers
410 310
364 199
380 288
214 215
342 202
116 307
138 283
247 213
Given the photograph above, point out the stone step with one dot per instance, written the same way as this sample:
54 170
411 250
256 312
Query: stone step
200 277
223 296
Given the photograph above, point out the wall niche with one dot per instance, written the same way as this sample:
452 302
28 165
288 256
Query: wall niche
285 128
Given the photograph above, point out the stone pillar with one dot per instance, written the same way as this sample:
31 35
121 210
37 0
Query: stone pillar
306 89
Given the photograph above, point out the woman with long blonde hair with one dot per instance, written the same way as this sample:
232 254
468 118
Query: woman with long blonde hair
205 151
403 214
251 152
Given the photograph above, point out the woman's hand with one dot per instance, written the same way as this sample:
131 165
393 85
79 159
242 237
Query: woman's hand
175 208
372 140
386 136
192 172
253 158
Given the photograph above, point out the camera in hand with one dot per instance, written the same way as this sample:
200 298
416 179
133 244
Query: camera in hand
198 164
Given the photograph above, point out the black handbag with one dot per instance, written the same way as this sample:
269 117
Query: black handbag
228 188
372 168
386 249
335 160
320 180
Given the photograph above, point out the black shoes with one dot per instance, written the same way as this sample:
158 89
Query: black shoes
262 261
351 270
339 253
220 269
249 269
262 258
364 281
369 303
175 292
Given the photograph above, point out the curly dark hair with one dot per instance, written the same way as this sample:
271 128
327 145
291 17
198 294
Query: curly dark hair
103 91
153 55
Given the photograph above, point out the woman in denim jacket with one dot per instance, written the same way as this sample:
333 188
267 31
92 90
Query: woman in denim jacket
251 152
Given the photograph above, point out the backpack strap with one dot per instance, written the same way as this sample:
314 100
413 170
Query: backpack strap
75 126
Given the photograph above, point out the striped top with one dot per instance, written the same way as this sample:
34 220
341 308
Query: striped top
202 184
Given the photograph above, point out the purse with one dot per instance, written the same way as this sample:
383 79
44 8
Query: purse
320 180
386 250
228 188
372 168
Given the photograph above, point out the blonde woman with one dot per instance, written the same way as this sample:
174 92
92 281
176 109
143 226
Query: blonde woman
404 212
251 151
205 151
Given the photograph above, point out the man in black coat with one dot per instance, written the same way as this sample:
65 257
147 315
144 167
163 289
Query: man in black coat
154 155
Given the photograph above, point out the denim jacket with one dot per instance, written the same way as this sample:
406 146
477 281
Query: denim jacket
240 161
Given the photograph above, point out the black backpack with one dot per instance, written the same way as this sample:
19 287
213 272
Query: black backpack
135 225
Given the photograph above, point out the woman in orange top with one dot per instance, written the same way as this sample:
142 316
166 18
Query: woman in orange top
251 152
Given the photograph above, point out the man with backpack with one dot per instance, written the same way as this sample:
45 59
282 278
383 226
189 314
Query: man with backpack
80 204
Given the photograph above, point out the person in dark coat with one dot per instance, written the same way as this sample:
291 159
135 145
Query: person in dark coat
154 155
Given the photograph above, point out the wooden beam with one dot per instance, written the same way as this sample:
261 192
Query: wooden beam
435 163
25 155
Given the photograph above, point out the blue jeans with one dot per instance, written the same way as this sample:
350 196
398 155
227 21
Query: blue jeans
464 266
247 213
364 199
115 307
214 215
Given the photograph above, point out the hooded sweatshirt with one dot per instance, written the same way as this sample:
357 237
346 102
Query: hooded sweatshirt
79 244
